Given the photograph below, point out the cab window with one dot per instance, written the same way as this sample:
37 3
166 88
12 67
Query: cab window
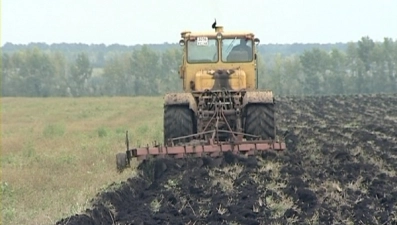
238 49
202 50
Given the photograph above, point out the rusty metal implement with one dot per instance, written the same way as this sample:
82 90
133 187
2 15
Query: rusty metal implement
197 148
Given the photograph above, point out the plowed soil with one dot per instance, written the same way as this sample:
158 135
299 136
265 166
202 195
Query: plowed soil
340 168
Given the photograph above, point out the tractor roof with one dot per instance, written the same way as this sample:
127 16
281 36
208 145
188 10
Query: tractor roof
213 33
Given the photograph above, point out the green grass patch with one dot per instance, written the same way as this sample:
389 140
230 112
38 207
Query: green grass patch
54 130
8 209
103 132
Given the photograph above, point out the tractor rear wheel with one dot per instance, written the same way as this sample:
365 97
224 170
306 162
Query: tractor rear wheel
259 121
178 122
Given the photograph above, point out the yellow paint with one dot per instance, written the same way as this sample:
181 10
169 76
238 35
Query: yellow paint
204 80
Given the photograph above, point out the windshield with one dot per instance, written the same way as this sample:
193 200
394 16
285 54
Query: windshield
237 50
202 50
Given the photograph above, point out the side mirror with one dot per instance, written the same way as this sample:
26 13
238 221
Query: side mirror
256 40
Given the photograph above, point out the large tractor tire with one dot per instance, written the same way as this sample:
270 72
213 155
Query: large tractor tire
178 122
260 121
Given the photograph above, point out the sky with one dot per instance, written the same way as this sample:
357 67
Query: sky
130 22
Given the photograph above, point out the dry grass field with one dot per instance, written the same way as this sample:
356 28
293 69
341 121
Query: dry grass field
57 153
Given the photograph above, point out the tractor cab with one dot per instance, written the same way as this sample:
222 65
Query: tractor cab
218 46
218 60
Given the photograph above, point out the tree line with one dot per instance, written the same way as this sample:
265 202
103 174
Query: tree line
364 66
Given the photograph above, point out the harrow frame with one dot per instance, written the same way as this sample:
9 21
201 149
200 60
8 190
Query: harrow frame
196 148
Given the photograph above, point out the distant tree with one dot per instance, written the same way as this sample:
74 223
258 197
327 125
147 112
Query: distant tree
277 77
292 82
314 64
61 71
365 50
80 72
389 54
100 59
145 68
334 79
6 71
118 77
35 73
170 81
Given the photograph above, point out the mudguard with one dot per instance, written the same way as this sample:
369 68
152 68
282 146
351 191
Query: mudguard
181 99
258 97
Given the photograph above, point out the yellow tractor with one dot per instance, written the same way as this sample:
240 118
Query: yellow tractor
220 108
